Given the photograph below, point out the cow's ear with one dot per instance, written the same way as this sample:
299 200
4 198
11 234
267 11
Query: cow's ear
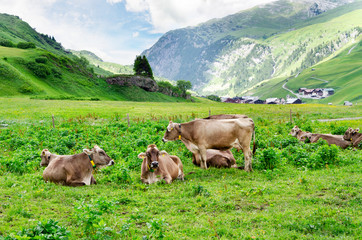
43 152
88 152
142 155
163 153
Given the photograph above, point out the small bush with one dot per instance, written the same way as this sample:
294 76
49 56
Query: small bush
43 230
41 60
269 159
26 89
7 43
25 45
38 69
339 130
56 73
200 190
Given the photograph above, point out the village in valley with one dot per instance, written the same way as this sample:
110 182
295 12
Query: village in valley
316 93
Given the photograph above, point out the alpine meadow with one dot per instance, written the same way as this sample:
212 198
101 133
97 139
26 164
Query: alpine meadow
68 110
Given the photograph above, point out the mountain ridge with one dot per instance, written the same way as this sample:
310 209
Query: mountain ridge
185 54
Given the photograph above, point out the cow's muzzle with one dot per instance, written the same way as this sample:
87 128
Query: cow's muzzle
110 163
164 140
154 164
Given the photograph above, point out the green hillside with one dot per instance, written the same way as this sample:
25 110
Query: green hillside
47 71
343 73
112 68
13 29
40 74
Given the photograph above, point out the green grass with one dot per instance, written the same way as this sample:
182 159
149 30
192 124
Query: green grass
288 202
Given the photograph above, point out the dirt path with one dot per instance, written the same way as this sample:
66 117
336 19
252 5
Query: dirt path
351 49
338 119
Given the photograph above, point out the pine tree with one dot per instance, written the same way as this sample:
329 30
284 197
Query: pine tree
142 67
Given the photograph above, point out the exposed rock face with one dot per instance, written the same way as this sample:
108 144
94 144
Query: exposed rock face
145 83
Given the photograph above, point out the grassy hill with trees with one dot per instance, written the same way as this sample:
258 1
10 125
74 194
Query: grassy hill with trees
35 65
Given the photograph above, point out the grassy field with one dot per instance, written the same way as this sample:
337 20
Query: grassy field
305 191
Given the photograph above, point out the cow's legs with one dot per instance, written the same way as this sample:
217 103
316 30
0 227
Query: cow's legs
203 158
245 146
168 179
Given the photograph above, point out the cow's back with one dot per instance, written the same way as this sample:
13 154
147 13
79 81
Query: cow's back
167 165
331 139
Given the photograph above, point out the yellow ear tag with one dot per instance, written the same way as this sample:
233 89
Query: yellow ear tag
163 155
171 128
179 137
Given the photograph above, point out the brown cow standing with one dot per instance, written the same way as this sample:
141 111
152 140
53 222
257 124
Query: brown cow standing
76 170
354 136
217 158
222 134
158 165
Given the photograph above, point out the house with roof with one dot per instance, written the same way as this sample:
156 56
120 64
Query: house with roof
293 101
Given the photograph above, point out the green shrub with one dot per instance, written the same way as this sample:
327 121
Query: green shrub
200 190
7 43
43 230
41 60
26 89
56 73
325 155
269 159
340 130
25 45
38 69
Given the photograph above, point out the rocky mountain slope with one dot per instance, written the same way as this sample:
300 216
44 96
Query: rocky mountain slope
226 56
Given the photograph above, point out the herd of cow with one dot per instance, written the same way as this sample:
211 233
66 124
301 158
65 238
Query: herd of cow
209 139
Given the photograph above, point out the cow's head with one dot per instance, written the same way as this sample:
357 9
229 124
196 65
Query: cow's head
295 130
45 157
99 156
350 133
151 156
171 133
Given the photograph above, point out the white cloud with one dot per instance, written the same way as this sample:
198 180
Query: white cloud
166 15
135 34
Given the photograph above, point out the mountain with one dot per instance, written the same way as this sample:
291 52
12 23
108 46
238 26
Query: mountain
342 72
229 55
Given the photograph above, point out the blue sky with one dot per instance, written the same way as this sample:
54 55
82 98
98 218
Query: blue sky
117 30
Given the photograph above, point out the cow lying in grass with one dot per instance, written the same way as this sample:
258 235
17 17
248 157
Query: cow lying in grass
216 158
74 170
158 165
299 134
314 137
354 136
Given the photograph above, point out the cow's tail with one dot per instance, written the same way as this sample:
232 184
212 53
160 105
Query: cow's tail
254 144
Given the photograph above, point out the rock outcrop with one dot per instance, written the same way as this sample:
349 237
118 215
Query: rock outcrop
145 83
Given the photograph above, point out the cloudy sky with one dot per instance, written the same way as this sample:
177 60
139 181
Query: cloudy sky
117 30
